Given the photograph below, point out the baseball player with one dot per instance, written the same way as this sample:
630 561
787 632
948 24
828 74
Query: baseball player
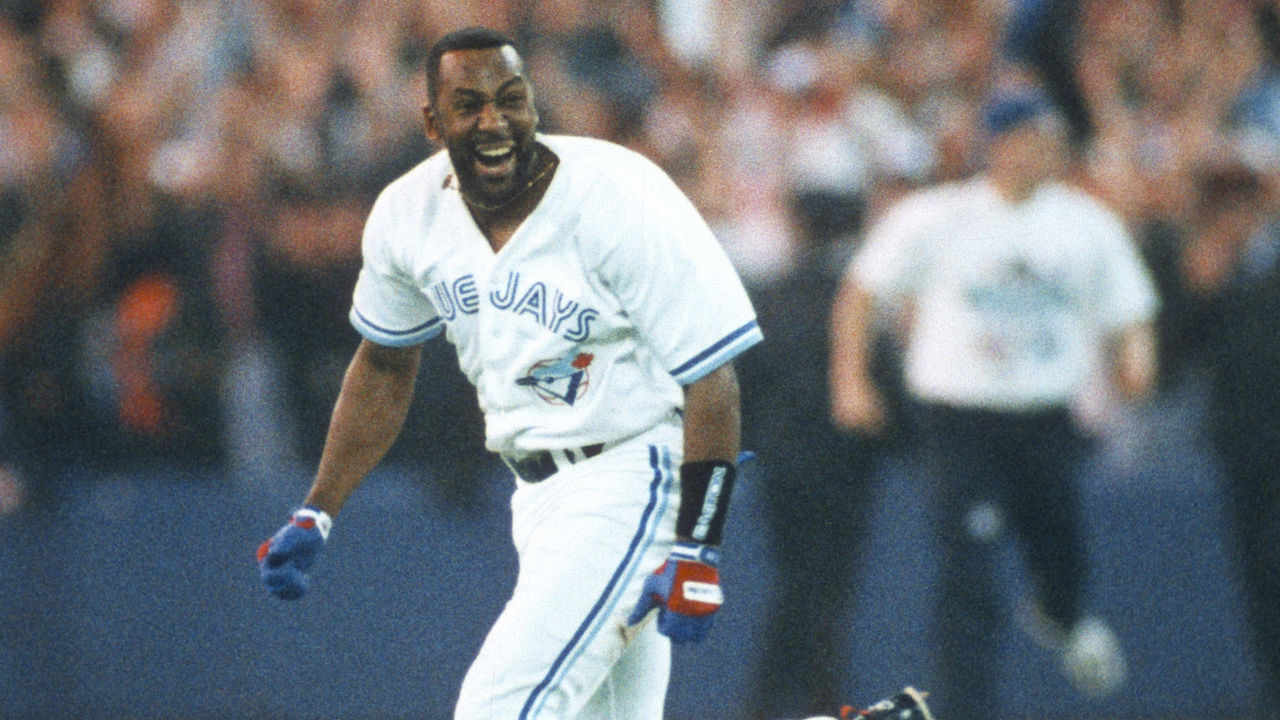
597 316
1015 287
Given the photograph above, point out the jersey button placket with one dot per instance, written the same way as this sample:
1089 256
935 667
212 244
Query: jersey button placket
489 327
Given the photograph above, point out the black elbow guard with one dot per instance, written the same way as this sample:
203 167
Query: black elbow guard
705 487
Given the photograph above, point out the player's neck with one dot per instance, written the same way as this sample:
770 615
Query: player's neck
499 222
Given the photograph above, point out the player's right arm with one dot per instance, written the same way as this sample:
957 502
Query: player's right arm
367 418
395 319
392 314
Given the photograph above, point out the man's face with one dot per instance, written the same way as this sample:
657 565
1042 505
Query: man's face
484 116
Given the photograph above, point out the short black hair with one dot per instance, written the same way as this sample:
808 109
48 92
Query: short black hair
467 38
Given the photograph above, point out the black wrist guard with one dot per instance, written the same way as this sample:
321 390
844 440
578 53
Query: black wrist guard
705 487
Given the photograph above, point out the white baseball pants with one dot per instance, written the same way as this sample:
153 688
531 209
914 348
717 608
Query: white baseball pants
587 537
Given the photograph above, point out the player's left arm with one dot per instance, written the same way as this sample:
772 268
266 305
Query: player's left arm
713 417
686 589
712 435
673 279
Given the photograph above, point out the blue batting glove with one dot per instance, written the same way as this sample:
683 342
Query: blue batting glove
283 560
686 592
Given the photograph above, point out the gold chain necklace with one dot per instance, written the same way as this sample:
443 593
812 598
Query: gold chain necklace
551 165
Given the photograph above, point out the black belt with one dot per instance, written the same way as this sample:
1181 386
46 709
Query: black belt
540 465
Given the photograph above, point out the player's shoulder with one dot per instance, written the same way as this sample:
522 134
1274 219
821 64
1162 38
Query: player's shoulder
607 166
596 153
416 191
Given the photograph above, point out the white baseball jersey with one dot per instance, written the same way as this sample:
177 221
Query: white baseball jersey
585 325
1009 302
582 329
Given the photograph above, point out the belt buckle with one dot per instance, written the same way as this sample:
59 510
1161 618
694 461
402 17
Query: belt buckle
534 467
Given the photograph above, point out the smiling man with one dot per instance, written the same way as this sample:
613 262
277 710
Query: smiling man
597 317
494 152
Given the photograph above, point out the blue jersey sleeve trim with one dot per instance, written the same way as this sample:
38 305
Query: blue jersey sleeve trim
724 350
395 338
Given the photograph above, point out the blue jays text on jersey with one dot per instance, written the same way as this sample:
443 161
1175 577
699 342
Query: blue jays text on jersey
542 302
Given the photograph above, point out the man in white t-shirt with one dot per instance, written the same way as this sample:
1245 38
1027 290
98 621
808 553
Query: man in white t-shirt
597 317
1012 289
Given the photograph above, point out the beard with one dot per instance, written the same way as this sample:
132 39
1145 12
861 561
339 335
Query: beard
490 181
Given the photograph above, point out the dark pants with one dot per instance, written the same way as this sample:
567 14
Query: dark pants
1000 472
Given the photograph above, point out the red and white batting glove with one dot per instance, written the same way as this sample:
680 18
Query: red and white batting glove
686 592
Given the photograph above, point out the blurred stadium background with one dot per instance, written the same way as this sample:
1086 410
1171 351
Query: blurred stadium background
182 188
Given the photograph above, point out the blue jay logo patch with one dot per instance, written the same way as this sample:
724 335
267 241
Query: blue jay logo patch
562 381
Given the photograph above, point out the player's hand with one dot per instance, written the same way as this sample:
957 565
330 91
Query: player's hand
283 560
686 592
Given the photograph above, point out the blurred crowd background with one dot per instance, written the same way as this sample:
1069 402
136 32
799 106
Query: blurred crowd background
183 185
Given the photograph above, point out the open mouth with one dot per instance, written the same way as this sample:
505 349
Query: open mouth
495 161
